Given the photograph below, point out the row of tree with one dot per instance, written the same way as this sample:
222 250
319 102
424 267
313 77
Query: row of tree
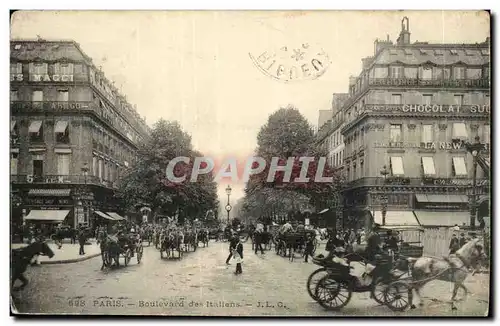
146 183
287 134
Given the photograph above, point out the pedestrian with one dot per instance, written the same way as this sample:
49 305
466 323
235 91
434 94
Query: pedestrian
233 242
309 246
82 239
462 241
258 241
238 257
454 244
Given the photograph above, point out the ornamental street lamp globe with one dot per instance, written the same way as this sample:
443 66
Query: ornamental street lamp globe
228 190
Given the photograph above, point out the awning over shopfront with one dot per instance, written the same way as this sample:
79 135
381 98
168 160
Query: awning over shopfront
443 218
35 126
396 218
428 198
115 216
12 125
47 215
101 214
49 192
61 126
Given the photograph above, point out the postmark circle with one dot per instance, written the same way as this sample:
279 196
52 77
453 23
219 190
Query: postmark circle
292 64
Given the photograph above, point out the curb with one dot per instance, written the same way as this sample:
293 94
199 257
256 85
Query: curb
69 261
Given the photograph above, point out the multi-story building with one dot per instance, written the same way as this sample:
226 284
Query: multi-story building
72 135
407 111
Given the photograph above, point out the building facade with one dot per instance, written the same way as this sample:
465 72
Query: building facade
72 135
407 113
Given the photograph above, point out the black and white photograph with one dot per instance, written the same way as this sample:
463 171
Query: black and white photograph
287 163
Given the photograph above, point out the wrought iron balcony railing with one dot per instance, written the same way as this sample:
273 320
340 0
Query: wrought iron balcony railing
404 181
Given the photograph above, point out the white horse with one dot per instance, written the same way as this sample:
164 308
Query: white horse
454 268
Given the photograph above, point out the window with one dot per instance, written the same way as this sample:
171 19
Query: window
94 166
446 73
348 174
474 73
63 69
361 169
16 68
486 73
459 130
14 95
411 72
426 73
37 168
458 99
459 168
37 96
428 166
38 68
63 162
437 73
486 134
13 163
427 99
354 172
396 99
458 72
17 46
427 133
36 131
62 132
100 169
396 72
62 96
380 72
454 52
395 133
397 168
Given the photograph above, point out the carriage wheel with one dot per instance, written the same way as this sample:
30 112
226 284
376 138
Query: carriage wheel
313 280
378 290
128 255
398 295
332 295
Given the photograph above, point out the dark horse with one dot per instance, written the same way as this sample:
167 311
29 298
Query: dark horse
22 257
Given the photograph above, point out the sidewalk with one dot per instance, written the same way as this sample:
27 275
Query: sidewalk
69 253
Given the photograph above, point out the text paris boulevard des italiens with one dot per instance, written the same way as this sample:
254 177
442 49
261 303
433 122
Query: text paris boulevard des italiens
295 171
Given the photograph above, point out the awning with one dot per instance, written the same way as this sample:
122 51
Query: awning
47 215
35 126
324 211
101 214
428 198
61 126
115 216
49 192
459 165
396 218
483 198
397 165
443 218
428 165
12 125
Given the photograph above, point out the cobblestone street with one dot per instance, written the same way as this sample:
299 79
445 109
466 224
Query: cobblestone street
201 284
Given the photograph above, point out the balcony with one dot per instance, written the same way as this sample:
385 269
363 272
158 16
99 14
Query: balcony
62 179
416 182
440 83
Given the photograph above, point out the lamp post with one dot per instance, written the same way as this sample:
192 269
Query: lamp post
474 150
228 206
383 198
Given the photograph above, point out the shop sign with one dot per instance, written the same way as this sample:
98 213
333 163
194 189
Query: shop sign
432 145
430 108
50 105
454 182
16 77
48 201
429 82
51 78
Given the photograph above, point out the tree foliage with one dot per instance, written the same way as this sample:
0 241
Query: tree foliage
287 134
146 182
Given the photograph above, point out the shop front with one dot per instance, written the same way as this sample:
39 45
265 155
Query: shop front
442 209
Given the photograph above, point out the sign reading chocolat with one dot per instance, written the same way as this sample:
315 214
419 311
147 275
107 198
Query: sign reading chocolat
427 108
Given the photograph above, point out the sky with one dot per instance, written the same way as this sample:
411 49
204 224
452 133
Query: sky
194 67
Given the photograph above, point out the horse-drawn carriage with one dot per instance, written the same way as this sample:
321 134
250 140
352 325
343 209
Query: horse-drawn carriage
410 244
288 243
171 242
125 246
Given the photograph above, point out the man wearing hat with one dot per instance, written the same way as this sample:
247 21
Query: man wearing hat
462 241
454 244
233 242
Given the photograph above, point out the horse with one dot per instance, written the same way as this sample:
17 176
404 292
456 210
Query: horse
21 258
453 268
203 236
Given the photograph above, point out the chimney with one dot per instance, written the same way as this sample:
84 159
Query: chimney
352 80
404 35
380 45
365 62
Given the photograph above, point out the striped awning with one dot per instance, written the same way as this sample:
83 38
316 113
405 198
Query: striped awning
49 192
101 214
115 216
61 126
47 215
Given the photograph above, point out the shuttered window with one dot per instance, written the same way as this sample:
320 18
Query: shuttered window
63 162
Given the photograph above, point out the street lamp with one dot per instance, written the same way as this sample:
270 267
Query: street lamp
228 206
86 213
474 149
383 198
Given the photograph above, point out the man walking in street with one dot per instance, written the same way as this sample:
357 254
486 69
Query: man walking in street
82 239
233 242
454 244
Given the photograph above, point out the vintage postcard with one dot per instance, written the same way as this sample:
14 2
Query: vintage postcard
250 163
